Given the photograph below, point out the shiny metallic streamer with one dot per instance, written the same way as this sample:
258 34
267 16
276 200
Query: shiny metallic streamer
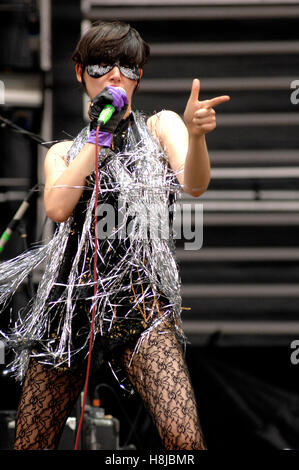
143 184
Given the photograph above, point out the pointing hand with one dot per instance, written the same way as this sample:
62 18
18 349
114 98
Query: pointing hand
199 116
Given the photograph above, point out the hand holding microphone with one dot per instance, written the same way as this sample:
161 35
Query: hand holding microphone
106 111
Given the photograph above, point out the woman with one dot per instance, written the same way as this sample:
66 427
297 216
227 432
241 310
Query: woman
136 302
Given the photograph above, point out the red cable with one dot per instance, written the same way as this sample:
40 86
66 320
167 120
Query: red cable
94 291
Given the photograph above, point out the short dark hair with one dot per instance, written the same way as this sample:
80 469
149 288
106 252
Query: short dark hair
111 41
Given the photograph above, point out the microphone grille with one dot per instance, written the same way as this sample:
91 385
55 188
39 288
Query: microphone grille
122 90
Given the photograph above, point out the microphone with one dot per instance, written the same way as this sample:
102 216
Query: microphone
108 110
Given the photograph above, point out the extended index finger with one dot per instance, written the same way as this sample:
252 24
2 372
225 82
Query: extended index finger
216 101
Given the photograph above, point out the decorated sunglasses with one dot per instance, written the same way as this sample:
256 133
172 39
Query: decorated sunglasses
128 71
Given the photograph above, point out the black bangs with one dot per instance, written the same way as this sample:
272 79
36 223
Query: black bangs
111 42
124 50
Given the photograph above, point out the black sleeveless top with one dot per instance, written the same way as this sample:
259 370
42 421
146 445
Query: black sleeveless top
123 329
138 282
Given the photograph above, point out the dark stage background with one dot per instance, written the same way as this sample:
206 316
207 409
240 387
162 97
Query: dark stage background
242 285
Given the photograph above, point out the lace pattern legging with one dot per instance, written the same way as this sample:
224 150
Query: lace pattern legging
158 373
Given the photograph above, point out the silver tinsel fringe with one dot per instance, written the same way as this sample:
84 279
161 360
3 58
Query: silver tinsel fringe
144 184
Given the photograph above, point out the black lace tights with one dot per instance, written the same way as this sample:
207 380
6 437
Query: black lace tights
158 373
47 399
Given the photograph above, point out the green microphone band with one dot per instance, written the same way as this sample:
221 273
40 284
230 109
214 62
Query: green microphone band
106 114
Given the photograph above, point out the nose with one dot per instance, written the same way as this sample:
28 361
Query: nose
115 73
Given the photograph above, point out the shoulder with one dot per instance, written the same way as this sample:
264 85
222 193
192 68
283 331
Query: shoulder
166 124
59 150
164 116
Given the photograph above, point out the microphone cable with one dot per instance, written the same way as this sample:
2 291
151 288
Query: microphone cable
94 291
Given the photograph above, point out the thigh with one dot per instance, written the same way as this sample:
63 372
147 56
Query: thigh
159 374
48 396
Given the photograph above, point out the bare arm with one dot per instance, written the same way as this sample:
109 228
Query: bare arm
61 201
186 154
